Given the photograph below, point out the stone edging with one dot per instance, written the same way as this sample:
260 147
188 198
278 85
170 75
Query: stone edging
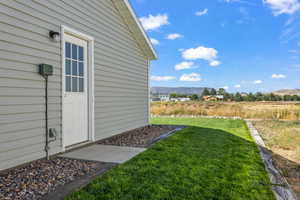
163 136
280 186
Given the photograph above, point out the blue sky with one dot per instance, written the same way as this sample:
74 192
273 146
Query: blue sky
242 45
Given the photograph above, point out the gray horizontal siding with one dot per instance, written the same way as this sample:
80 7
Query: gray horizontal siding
25 125
108 129
121 73
27 83
27 100
20 118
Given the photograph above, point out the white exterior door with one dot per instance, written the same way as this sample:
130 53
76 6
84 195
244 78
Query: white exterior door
75 101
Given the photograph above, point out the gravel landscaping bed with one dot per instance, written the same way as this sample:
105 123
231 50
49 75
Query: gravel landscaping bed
38 178
140 137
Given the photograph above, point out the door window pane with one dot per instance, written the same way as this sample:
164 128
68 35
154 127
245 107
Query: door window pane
81 84
68 50
68 84
80 69
74 52
68 67
80 54
74 84
74 68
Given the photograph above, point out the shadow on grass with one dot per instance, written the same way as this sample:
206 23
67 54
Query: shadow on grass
195 163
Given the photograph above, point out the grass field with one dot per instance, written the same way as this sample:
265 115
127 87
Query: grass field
283 139
248 110
212 159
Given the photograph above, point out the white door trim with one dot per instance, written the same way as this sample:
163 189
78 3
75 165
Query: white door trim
91 97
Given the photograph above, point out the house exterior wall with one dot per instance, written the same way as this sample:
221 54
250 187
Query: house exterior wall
121 73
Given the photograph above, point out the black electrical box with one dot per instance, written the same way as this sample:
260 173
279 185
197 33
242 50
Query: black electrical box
45 70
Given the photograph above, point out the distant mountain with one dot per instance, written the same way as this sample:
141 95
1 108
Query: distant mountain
287 92
178 90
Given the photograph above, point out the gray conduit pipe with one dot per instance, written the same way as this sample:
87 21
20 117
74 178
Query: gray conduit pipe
47 148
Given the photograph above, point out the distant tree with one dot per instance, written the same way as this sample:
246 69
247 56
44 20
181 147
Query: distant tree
238 97
259 96
206 92
267 97
194 97
182 95
250 97
173 95
221 91
295 98
287 97
228 97
279 98
213 91
272 97
291 98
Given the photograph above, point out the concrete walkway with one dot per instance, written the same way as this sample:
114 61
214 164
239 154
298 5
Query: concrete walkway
104 153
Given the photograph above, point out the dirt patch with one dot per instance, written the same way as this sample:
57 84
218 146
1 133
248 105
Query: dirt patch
39 178
140 137
283 139
290 170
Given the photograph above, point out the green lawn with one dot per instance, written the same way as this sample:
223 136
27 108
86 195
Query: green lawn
212 159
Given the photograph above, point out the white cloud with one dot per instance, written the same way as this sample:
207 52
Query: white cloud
154 41
258 82
174 36
296 66
162 78
245 18
193 77
202 12
200 52
289 33
154 22
184 65
283 6
278 76
204 53
214 63
250 2
294 57
294 51
237 86
231 1
225 87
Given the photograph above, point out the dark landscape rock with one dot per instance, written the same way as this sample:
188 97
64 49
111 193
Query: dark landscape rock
42 177
38 178
140 137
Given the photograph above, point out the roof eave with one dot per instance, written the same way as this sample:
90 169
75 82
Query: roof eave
136 28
